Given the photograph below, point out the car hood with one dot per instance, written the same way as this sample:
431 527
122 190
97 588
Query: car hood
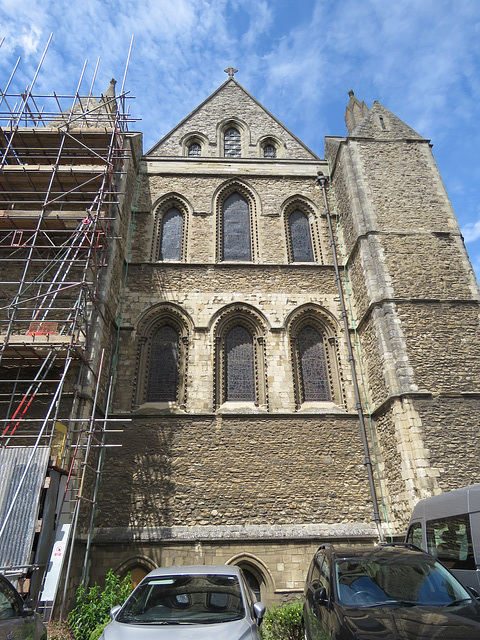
411 623
237 630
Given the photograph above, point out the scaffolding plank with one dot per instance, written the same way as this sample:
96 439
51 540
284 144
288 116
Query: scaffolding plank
17 537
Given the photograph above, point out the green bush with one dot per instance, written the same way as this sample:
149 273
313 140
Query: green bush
283 622
97 632
93 606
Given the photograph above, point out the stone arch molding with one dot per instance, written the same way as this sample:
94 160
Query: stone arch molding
246 316
317 313
328 327
254 204
258 566
276 142
158 312
256 318
160 208
135 561
191 138
149 322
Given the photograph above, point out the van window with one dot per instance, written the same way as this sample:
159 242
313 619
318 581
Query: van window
450 540
414 535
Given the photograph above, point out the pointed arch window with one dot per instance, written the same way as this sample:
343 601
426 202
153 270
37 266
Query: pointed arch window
162 358
232 143
239 365
171 235
315 385
162 379
236 232
300 237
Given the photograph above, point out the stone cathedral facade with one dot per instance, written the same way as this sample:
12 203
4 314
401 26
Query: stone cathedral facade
242 443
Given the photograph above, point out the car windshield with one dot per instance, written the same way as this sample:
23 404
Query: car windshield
397 578
184 599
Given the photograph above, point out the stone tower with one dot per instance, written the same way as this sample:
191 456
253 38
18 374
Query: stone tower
243 443
415 300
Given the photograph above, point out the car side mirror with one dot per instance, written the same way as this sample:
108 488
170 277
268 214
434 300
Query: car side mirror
27 609
114 610
320 596
474 593
259 610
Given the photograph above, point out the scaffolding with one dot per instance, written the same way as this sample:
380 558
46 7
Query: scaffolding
62 168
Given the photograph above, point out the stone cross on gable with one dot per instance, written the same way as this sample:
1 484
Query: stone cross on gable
231 71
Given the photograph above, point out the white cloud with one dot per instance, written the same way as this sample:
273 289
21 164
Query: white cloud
420 59
471 231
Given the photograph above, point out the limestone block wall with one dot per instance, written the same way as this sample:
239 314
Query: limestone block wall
404 186
451 427
416 305
234 470
199 189
443 342
414 274
229 102
202 293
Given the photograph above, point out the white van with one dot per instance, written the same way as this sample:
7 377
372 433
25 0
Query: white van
448 527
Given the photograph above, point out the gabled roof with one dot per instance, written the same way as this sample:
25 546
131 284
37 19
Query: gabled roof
380 123
231 100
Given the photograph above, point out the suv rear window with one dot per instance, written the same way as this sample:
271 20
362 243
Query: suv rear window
450 540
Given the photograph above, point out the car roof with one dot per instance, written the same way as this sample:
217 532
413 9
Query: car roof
399 550
199 569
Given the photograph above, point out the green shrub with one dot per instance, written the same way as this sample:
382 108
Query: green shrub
93 606
283 622
59 630
97 632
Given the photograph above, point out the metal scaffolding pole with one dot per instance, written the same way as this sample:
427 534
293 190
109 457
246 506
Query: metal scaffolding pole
61 164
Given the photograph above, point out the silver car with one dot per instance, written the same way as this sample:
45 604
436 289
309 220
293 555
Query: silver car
199 602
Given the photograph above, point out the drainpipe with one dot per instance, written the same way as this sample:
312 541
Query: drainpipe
322 181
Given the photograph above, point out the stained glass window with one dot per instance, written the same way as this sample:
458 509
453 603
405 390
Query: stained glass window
313 366
269 151
239 365
300 237
194 149
236 229
232 143
171 240
163 368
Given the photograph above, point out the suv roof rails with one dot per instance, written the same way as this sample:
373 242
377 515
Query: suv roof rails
405 545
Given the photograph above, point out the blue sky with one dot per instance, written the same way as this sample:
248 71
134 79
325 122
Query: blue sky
299 58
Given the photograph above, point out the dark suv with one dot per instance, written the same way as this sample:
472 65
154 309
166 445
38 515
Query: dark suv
385 592
17 619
